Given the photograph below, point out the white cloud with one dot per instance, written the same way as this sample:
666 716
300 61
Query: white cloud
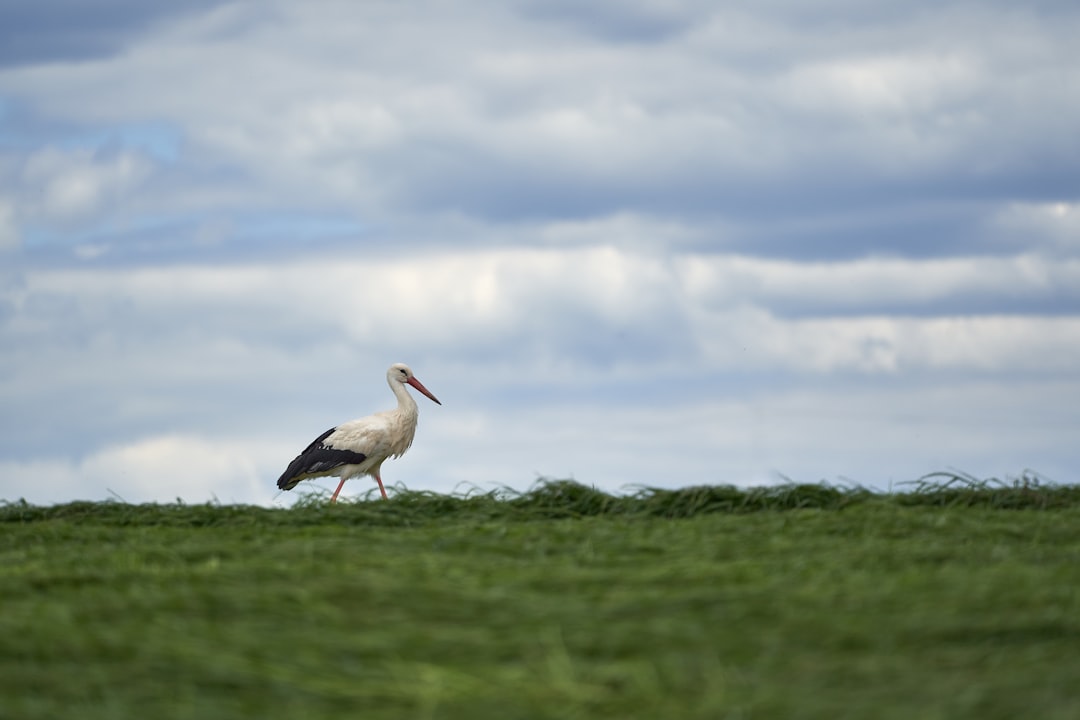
753 339
151 469
61 186
10 237
876 435
893 87
1056 224
550 341
492 113
522 305
855 285
171 466
560 215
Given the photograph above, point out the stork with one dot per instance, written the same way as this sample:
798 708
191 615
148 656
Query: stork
359 447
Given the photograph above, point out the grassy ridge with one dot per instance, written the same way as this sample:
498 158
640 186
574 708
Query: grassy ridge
958 599
550 499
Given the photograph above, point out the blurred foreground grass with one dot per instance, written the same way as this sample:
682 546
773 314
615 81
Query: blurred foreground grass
959 599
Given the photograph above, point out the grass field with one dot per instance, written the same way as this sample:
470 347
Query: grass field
957 600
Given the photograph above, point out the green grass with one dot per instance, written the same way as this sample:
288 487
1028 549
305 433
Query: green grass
958 599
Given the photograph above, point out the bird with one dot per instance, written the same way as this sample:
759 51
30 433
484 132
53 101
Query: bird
359 447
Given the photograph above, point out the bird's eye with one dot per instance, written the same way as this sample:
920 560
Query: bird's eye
403 372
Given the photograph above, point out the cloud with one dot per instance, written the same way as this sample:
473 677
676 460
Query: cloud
883 129
638 22
68 30
287 347
956 285
878 436
152 469
454 299
74 185
885 345
1055 226
589 228
10 236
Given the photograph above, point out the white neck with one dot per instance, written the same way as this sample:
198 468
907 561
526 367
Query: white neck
405 403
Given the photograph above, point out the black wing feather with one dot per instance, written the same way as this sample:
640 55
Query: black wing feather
317 459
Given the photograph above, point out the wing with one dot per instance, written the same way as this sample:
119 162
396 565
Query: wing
320 458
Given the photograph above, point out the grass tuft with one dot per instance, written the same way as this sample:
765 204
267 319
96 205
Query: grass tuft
551 499
955 488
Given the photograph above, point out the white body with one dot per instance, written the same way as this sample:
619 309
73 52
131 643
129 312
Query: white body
386 434
359 447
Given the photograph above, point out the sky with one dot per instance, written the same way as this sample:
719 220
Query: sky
633 243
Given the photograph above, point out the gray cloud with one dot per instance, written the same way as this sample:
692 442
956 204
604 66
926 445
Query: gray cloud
71 31
214 349
901 131
819 242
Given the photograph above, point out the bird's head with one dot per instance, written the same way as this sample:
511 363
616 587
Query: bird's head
401 373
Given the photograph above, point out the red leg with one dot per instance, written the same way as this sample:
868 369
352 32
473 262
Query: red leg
339 485
381 488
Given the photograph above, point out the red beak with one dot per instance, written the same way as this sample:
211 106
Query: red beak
420 386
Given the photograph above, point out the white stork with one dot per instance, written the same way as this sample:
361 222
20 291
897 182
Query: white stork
359 447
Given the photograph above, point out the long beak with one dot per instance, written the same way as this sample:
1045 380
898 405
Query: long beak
420 386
